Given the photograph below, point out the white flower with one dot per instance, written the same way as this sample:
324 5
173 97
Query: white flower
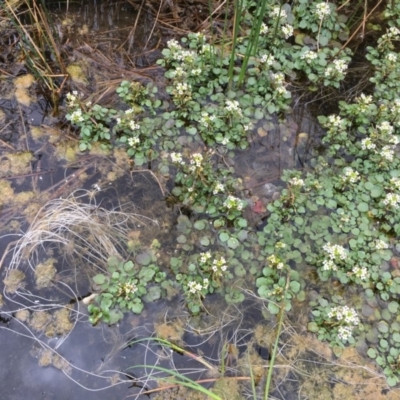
309 56
233 202
387 152
392 200
267 59
295 181
133 141
218 188
225 141
322 10
385 127
195 72
335 251
204 257
395 182
133 125
196 160
335 120
340 65
278 11
350 175
287 31
76 116
177 158
361 273
219 266
381 244
392 57
174 45
344 333
263 29
232 106
129 111
329 265
363 99
194 287
367 144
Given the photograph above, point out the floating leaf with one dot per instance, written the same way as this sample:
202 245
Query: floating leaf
200 225
99 279
233 243
223 236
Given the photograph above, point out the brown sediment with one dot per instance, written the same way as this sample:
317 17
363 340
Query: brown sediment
14 280
45 273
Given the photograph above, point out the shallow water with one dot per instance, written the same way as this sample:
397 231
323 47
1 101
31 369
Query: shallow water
97 359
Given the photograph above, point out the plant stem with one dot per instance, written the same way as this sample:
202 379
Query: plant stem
276 344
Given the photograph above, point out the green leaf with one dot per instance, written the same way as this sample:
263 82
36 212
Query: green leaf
144 258
99 279
223 236
393 306
273 308
295 286
233 243
362 207
128 266
200 225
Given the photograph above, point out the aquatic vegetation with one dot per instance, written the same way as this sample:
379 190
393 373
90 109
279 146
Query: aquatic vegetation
123 287
45 273
336 222
14 280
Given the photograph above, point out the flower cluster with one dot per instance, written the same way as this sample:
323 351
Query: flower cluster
232 106
381 244
125 289
364 100
335 252
367 144
73 99
295 181
344 333
395 182
344 314
133 141
219 266
279 83
233 203
275 261
204 257
387 153
218 188
385 128
350 175
263 29
309 56
196 287
196 162
392 200
182 92
278 11
177 158
76 116
392 33
322 10
206 119
339 68
334 121
287 31
267 59
359 272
